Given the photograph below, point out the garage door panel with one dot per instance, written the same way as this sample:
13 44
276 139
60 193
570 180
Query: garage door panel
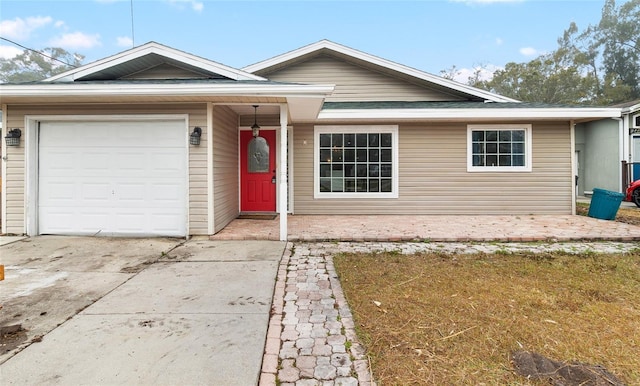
132 162
95 193
115 178
60 192
94 163
166 164
128 194
56 161
165 194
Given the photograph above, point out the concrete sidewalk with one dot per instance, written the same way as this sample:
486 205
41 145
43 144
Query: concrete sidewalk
196 313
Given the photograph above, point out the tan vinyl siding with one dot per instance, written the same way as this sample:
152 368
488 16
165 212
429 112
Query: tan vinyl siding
354 83
198 202
434 178
225 171
197 155
166 71
13 181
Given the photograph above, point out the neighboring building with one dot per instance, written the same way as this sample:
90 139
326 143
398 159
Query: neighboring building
105 148
602 145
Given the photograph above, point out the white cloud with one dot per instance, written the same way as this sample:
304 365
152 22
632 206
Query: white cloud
124 41
59 24
8 52
499 41
19 28
76 40
529 51
197 6
485 73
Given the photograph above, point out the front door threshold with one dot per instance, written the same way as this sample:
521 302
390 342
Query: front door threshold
257 215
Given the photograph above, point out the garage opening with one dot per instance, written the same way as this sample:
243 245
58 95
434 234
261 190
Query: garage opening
113 178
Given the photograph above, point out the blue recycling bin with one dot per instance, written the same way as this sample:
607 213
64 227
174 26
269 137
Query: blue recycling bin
605 204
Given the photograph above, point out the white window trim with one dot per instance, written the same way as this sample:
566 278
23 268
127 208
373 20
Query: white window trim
393 129
500 169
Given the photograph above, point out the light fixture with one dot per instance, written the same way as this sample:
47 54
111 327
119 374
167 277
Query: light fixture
194 138
13 137
255 129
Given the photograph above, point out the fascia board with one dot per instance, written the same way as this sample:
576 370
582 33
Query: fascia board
458 114
79 89
155 48
325 44
631 109
287 56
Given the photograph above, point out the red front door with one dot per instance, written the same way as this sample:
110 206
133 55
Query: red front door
258 171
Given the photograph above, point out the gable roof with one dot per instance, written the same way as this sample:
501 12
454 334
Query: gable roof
148 56
369 61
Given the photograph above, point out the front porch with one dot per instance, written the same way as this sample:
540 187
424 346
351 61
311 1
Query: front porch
524 228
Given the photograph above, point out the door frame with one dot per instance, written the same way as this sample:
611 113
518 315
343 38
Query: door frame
32 153
290 148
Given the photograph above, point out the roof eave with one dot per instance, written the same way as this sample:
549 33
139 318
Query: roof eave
467 114
631 109
79 89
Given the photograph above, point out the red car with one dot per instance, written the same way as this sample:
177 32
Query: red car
633 193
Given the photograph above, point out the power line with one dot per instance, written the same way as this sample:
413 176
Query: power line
38 52
133 35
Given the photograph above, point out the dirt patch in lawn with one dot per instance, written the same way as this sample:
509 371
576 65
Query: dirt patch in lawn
625 215
459 319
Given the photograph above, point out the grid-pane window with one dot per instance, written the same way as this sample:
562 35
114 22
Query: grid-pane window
499 148
355 163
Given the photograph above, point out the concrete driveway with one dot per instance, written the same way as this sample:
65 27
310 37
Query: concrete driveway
135 311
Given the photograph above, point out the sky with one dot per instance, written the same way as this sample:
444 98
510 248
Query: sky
428 35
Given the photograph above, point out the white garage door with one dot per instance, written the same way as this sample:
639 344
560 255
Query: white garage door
113 178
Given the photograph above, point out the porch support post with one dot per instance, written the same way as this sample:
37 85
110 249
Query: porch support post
284 183
574 196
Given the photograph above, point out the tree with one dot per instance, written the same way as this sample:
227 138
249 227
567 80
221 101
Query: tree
32 66
618 37
564 76
598 66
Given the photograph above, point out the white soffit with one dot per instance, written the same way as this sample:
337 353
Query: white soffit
304 109
466 114
329 45
154 48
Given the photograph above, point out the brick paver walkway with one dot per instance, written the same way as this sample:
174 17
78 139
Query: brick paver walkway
432 228
311 338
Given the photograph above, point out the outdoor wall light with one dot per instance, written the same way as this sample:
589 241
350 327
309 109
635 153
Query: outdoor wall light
255 129
13 137
194 138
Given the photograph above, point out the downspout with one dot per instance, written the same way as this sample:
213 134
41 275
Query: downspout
623 143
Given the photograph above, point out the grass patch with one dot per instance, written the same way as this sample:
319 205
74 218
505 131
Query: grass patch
456 319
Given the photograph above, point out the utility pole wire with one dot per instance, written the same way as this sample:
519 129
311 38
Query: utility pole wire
133 35
38 52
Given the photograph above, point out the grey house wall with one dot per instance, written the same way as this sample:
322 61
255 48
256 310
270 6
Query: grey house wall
598 143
